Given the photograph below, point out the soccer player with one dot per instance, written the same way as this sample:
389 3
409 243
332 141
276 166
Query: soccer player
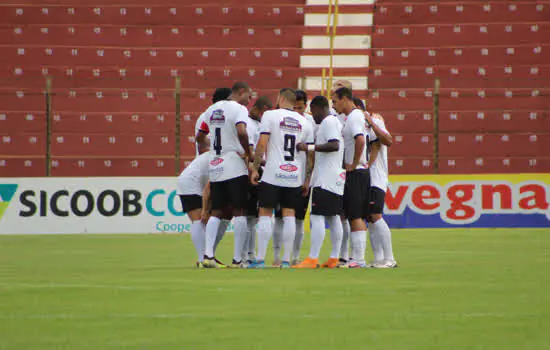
327 183
227 120
261 105
280 131
357 188
220 94
380 234
301 206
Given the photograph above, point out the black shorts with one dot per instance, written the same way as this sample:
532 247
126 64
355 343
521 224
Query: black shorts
326 203
377 199
300 209
190 202
357 194
230 192
253 193
273 197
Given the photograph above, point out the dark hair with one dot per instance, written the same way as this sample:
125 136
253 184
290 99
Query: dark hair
344 92
301 95
240 85
319 101
359 103
288 94
221 94
263 102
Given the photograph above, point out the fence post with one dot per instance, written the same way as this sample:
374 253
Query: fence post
48 125
437 85
178 124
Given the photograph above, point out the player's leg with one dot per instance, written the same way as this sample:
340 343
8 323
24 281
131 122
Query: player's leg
375 234
301 211
329 205
289 198
219 198
239 201
356 199
192 204
317 234
381 230
277 237
268 199
344 249
248 252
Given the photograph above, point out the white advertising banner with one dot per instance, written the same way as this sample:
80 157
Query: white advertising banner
90 205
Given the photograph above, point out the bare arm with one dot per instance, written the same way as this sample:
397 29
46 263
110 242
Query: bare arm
385 137
243 139
359 148
202 141
375 148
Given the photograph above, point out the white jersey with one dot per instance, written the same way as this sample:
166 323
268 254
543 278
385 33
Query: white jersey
379 169
286 129
328 173
354 126
193 179
303 155
253 130
341 117
198 123
225 150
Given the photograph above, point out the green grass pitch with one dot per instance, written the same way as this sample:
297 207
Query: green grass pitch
455 289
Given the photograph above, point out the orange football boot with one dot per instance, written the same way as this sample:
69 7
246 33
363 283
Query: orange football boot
309 263
331 263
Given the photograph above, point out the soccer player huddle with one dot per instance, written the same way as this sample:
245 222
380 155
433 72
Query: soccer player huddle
263 167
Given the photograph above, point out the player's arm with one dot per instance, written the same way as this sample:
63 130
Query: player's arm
243 139
374 149
202 139
258 157
383 135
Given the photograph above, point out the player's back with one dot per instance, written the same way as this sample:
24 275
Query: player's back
286 129
379 168
195 176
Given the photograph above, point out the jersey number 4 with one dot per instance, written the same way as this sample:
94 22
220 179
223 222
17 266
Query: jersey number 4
218 141
289 147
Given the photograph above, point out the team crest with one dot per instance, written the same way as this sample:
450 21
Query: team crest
291 124
217 117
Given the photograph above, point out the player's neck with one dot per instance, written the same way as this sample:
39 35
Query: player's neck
348 109
287 106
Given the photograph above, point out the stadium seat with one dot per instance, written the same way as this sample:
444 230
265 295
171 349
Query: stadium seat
22 166
214 14
108 166
113 123
22 100
451 12
499 165
412 145
494 121
408 121
493 145
146 144
22 122
410 165
18 144
152 36
460 34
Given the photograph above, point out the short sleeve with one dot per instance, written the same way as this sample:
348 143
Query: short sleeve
332 129
309 136
380 123
265 125
251 131
204 128
242 115
357 124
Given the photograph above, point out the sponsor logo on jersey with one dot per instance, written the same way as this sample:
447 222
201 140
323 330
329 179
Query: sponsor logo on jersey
289 168
343 175
216 161
217 117
291 124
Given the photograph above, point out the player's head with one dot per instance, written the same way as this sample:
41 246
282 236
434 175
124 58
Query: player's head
221 94
241 93
340 84
287 98
261 105
359 104
319 108
342 100
301 102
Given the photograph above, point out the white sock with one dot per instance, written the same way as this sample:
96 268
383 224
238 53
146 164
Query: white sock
376 242
335 226
358 245
317 235
385 234
298 239
277 238
198 238
240 232
250 246
211 232
265 231
344 251
224 224
289 232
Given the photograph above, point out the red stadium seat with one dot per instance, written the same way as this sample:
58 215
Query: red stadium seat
409 121
493 145
113 123
410 165
22 122
412 145
499 165
17 144
22 167
106 166
159 145
494 121
215 14
22 100
187 146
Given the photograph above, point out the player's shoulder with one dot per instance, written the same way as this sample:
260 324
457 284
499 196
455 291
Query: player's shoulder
357 114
